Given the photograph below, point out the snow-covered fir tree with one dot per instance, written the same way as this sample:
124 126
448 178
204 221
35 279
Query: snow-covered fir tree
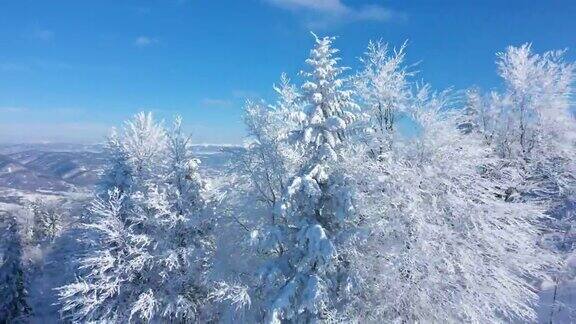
150 241
117 171
14 306
304 279
330 108
187 188
48 218
435 244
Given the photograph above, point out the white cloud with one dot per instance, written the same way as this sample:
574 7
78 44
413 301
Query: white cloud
375 13
321 13
145 41
325 6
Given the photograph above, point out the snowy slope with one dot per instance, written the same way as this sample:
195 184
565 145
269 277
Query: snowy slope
77 168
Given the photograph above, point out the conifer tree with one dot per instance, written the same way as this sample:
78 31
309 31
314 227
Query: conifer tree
150 241
14 306
302 280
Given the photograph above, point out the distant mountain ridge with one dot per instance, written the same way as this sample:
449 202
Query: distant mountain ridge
65 167
17 175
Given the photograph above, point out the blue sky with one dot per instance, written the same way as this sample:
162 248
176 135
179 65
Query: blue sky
71 69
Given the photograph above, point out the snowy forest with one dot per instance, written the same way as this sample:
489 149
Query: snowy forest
359 196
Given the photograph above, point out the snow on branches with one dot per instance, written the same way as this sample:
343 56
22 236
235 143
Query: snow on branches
435 243
149 234
364 199
302 277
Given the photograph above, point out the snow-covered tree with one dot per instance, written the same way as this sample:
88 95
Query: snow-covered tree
434 243
269 159
303 279
117 173
480 114
144 143
150 241
537 136
261 173
110 264
263 161
187 187
537 130
14 306
48 216
288 110
471 117
330 108
536 104
384 90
